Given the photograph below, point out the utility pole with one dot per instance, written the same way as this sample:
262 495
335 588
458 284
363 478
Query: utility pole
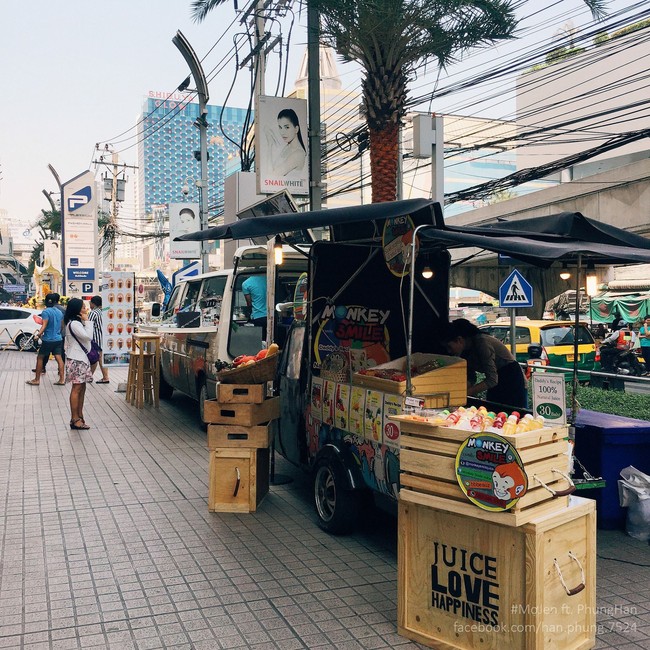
313 91
116 192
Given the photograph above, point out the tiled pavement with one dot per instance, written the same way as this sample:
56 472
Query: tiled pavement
106 542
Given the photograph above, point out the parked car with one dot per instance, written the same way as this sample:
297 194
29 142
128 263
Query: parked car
556 339
19 324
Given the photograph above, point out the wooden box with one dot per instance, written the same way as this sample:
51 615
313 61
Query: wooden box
439 388
466 583
428 473
241 393
238 479
245 415
233 435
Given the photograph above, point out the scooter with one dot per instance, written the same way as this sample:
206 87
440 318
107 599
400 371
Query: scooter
621 362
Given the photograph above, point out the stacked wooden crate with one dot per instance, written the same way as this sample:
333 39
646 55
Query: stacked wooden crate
239 436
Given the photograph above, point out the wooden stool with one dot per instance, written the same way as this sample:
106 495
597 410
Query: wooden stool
144 370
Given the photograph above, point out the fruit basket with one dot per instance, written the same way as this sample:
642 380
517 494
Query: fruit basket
256 373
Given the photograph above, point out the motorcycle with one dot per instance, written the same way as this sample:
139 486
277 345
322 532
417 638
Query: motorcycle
621 362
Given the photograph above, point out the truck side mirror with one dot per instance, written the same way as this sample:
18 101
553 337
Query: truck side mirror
156 309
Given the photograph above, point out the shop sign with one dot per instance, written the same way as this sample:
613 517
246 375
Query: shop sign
549 396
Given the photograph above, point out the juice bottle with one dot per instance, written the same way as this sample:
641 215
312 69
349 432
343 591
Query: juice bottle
525 423
510 426
499 420
453 418
477 422
538 422
488 420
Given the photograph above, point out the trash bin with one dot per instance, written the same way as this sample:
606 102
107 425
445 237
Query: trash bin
605 444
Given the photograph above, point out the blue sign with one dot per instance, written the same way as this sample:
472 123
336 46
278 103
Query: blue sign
79 198
81 274
516 291
87 287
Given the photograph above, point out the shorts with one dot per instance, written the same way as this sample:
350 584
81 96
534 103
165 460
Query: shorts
77 372
50 347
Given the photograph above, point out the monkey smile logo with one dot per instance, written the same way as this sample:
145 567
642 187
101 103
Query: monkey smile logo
490 472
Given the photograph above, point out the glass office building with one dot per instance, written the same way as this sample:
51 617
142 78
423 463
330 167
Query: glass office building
167 144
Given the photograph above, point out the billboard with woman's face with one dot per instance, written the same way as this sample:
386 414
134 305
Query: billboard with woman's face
282 150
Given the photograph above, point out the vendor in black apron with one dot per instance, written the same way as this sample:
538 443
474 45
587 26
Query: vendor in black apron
504 379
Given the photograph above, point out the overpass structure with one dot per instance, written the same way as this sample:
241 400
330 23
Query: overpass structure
619 197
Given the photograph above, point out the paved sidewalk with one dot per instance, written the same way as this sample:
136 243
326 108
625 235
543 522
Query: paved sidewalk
106 542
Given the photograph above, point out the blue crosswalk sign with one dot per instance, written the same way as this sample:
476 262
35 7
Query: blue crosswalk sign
516 291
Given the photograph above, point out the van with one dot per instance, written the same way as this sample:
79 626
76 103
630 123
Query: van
207 319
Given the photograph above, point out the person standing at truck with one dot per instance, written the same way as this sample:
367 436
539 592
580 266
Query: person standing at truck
254 290
504 379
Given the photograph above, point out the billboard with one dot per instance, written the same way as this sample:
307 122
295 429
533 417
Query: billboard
79 226
184 218
118 311
281 146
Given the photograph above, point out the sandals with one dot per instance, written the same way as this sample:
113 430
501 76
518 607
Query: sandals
33 383
74 425
103 381
58 383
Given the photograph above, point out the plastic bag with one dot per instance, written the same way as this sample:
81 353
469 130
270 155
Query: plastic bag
634 494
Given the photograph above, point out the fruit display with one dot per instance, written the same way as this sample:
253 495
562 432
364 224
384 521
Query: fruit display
395 374
244 360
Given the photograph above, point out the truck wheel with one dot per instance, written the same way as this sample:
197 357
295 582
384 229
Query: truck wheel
165 391
338 507
203 396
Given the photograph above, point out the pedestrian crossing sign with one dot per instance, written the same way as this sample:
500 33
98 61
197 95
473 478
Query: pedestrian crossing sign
516 291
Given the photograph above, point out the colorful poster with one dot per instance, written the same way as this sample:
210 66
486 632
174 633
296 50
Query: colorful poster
392 406
300 298
374 419
490 472
317 398
342 406
118 302
357 409
329 394
397 244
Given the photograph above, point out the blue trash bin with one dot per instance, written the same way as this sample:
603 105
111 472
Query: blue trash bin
605 444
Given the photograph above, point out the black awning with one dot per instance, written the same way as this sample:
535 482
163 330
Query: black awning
277 224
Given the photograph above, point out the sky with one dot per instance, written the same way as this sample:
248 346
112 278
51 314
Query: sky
75 72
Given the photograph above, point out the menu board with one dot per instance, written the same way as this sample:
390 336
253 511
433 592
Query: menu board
118 309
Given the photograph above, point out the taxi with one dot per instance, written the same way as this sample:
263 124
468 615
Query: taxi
555 337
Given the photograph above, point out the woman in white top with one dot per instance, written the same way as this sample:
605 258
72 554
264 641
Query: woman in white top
79 335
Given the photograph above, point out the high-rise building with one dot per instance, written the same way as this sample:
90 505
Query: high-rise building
168 152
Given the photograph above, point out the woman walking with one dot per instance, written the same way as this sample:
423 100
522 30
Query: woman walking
79 334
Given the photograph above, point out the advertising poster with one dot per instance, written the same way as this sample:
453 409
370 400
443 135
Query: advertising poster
397 242
79 226
329 391
183 219
374 419
317 398
392 406
118 303
357 409
282 145
342 406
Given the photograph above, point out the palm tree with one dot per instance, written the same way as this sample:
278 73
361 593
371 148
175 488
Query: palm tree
390 40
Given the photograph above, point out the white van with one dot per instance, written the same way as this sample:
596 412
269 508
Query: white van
207 318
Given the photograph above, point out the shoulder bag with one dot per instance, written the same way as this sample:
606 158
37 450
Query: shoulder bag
93 353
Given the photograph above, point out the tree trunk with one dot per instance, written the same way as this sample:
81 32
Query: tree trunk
384 152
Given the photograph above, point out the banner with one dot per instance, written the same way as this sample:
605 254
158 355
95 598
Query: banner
183 219
118 310
79 227
281 146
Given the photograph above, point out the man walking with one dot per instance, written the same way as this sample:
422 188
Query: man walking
96 318
51 340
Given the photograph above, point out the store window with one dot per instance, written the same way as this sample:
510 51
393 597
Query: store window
211 300
245 337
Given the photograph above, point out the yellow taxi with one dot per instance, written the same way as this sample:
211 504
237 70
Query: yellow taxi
555 337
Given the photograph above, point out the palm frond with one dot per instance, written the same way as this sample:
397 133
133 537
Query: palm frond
201 8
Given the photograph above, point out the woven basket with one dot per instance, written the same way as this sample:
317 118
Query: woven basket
257 373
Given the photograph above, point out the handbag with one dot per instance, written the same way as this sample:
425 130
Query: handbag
93 353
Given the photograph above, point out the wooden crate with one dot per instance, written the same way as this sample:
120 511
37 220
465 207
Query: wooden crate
466 583
238 479
428 475
245 415
439 388
241 393
233 435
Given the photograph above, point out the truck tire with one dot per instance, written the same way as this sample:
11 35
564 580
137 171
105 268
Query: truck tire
203 396
338 507
165 391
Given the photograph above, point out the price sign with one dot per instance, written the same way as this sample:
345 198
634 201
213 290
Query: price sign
549 396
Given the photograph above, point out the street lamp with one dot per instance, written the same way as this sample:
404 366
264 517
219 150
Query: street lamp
201 123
